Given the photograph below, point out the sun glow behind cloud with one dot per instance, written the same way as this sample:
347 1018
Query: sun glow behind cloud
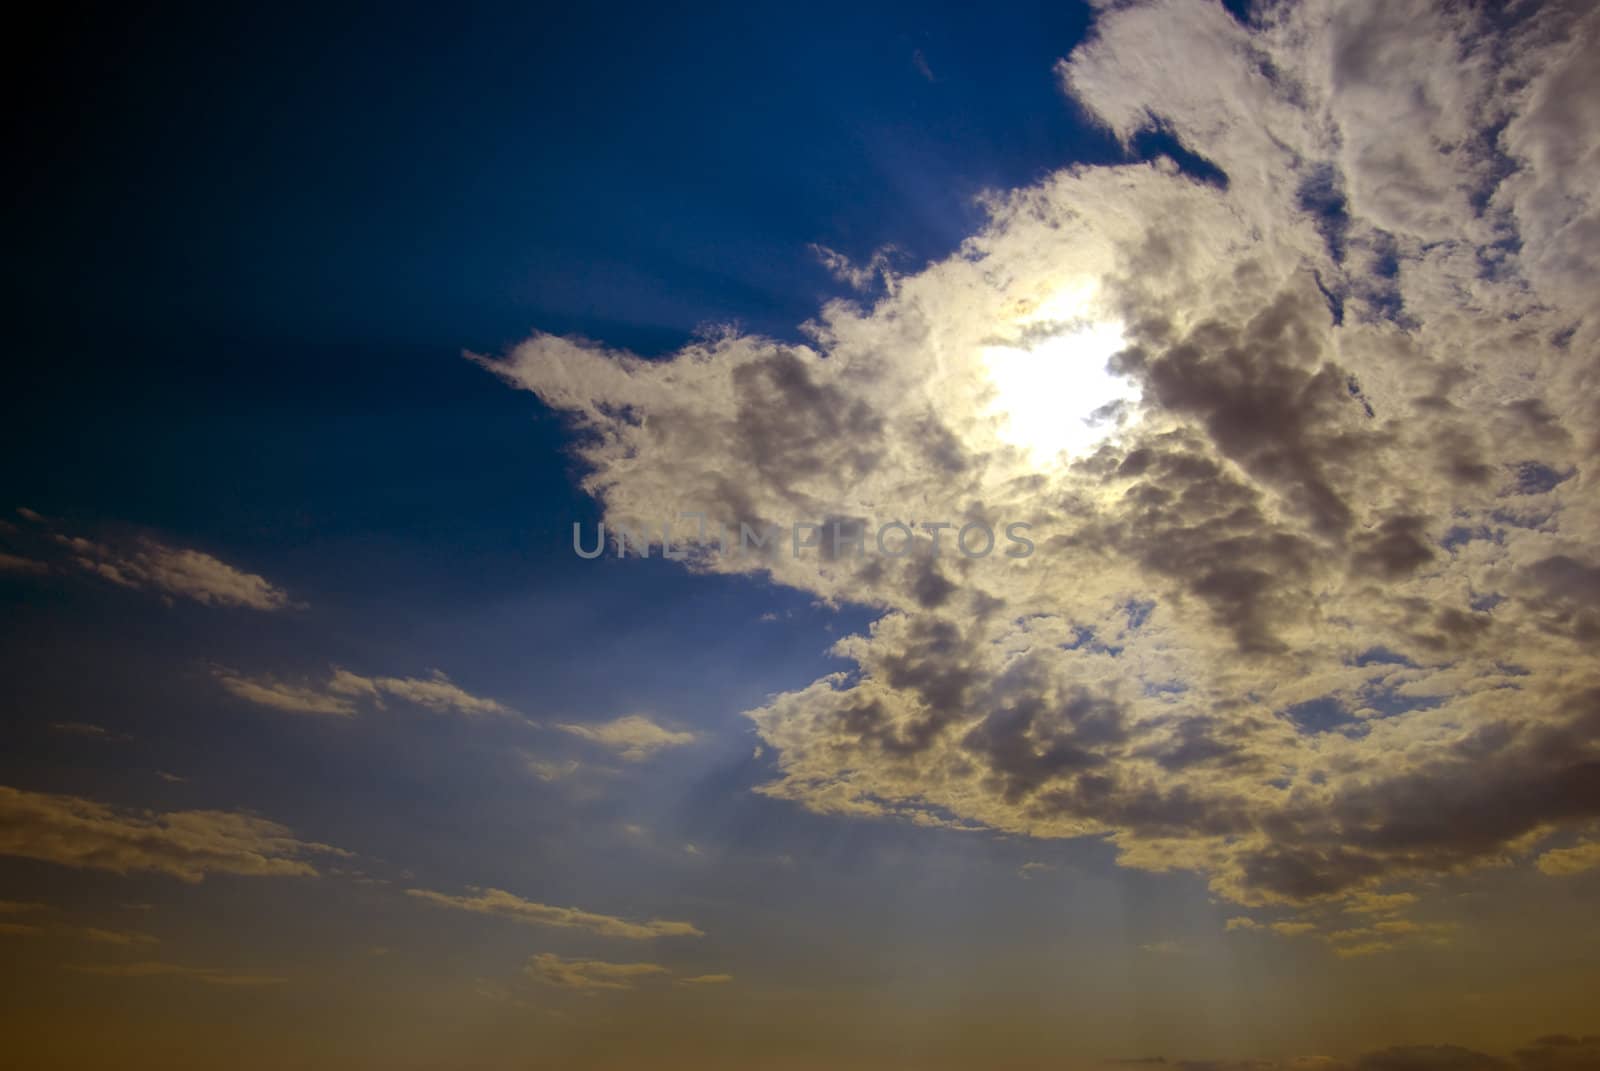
1053 389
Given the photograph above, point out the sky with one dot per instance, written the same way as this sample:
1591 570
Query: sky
846 536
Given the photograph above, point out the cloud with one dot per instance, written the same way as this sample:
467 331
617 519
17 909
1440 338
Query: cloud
1561 1052
175 571
281 695
1560 862
436 692
223 976
343 693
589 974
18 907
187 845
707 979
508 905
12 563
635 737
85 729
1314 615
147 564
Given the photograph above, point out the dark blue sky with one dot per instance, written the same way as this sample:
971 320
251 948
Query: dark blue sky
255 242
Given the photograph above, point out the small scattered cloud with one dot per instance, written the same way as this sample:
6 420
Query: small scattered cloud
12 563
920 62
344 692
707 979
589 974
88 731
19 907
175 572
1243 922
188 845
436 692
549 770
509 905
634 737
1561 862
1033 870
1371 903
267 691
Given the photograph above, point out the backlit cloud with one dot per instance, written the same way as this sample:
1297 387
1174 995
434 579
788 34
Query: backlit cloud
1314 599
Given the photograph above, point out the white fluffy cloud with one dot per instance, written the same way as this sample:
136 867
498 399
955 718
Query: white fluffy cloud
1316 612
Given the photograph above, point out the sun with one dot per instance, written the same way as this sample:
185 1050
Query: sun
1052 389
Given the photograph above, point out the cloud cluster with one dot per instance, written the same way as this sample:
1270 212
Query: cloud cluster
187 845
1315 615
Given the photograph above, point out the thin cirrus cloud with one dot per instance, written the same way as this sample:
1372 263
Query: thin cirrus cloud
343 693
634 737
187 845
593 975
508 905
1315 616
590 974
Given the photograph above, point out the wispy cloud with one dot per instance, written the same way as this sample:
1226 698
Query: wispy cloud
707 979
1560 862
589 974
344 692
634 738
509 905
148 564
187 845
